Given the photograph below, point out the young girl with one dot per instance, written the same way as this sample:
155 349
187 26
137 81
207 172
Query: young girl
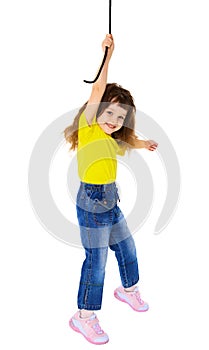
103 128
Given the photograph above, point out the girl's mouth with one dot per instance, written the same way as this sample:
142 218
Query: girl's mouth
111 126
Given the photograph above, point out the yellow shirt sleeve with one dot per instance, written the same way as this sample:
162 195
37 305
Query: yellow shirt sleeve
121 151
83 121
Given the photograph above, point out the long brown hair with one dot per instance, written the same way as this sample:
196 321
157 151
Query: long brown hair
125 136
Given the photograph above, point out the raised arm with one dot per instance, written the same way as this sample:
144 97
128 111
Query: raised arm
149 144
98 88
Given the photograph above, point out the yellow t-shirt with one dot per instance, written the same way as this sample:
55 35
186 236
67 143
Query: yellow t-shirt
96 155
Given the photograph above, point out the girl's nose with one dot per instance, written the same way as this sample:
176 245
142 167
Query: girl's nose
114 120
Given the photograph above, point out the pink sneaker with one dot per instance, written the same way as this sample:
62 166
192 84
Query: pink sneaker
131 298
89 328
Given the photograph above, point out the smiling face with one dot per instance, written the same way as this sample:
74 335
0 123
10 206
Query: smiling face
112 118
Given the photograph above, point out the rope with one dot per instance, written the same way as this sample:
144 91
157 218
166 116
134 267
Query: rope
106 49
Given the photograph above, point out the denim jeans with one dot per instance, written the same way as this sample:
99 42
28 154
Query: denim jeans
102 226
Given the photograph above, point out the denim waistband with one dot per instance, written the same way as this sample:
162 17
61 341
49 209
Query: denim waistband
99 188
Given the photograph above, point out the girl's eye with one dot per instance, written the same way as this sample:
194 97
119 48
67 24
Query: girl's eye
109 112
121 117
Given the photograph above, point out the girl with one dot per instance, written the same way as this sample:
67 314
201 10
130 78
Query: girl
103 128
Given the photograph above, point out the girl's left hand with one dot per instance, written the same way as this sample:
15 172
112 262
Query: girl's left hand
151 145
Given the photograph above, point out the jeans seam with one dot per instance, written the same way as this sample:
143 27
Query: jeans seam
89 307
123 266
90 267
92 284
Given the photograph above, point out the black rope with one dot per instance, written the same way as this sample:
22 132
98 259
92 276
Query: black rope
106 50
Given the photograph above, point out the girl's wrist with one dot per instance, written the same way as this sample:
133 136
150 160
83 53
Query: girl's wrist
145 144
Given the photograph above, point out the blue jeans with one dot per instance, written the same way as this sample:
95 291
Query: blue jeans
102 225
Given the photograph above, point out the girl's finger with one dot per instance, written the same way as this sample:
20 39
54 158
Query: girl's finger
109 41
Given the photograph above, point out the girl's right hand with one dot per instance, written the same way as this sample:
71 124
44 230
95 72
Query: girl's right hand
109 42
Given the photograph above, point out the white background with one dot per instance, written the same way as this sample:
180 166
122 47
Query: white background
161 56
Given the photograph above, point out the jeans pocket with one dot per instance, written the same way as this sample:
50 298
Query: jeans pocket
96 201
105 202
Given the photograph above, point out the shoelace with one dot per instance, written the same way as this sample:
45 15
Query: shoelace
137 294
138 297
94 323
